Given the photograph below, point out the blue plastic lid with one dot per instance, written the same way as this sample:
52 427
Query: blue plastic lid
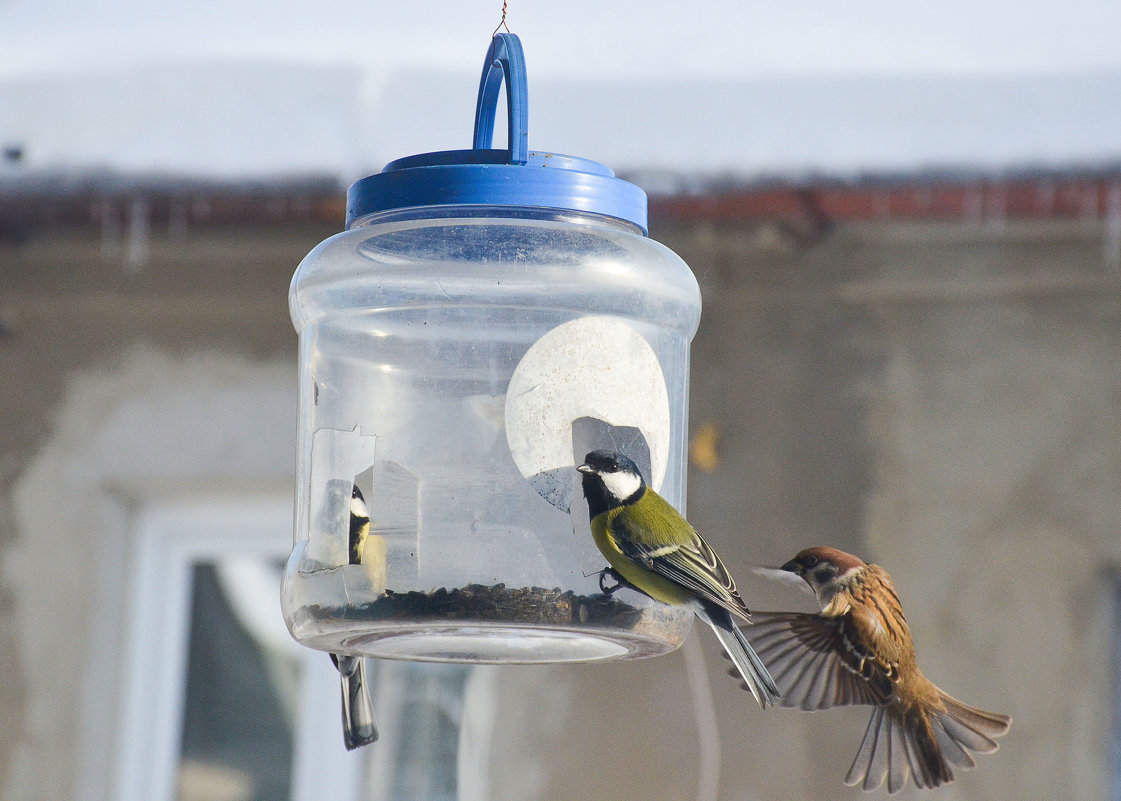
482 176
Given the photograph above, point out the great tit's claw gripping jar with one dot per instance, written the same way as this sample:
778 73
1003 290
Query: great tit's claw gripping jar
486 319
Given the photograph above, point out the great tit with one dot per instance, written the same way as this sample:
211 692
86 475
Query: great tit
651 547
363 546
359 725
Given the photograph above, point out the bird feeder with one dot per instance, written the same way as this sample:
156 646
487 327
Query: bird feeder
487 318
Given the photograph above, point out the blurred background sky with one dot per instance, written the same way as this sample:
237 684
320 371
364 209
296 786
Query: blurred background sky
247 88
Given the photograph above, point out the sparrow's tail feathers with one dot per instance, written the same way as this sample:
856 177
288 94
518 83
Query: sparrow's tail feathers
359 725
891 749
927 747
885 753
751 668
969 727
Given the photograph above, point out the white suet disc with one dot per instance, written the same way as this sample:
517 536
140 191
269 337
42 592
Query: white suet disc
593 367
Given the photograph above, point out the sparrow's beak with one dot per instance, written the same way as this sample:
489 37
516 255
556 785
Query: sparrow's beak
583 468
792 567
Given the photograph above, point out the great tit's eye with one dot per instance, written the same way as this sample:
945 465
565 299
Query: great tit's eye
810 561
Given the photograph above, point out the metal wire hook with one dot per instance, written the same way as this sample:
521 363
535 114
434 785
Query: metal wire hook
502 23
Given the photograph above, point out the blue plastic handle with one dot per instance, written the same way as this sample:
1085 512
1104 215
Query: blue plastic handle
504 60
485 176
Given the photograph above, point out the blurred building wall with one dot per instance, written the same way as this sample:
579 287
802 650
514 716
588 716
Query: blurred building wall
940 394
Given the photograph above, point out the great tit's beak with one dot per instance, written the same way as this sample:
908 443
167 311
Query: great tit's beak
583 468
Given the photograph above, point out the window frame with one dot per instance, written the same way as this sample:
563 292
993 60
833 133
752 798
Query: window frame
169 537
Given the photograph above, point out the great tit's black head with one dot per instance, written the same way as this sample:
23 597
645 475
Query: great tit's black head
823 568
610 479
608 462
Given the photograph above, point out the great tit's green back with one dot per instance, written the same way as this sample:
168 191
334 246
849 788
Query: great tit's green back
667 553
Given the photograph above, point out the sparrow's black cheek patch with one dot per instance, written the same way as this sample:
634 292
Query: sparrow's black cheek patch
823 574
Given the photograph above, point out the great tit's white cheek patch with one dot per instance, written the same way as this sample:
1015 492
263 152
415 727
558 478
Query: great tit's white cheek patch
621 485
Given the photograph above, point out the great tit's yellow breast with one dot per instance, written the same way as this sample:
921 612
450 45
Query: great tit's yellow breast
656 586
373 559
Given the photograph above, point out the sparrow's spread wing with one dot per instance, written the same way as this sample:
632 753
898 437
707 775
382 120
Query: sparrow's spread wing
682 557
816 661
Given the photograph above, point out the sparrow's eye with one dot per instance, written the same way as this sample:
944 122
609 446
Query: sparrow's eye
810 561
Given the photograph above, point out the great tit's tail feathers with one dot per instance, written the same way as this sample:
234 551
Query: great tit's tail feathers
748 664
359 725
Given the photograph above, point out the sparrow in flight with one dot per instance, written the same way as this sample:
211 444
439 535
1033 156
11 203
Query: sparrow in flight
859 650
